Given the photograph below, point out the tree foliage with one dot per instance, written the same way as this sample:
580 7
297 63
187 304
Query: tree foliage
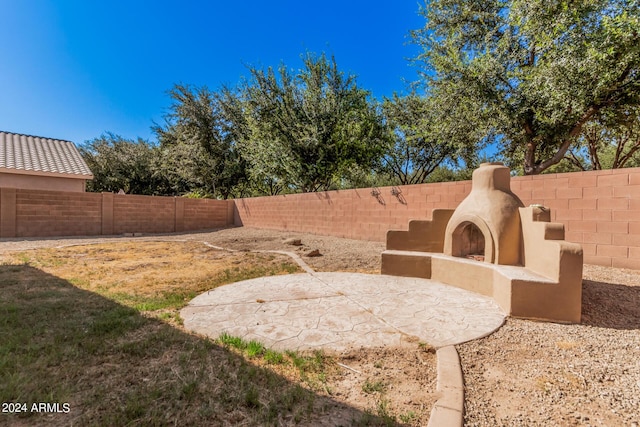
277 131
123 164
417 148
198 142
530 74
305 130
608 142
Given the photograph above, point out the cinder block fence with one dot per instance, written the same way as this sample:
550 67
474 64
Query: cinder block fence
599 209
35 213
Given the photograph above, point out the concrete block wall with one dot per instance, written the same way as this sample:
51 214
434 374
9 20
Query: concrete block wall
354 214
143 214
200 214
47 213
36 213
599 209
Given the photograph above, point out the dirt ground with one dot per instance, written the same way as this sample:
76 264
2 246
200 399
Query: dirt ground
335 254
527 373
387 386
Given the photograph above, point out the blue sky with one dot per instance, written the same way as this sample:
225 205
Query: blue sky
76 69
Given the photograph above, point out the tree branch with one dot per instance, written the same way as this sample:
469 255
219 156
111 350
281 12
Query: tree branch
631 152
575 160
575 131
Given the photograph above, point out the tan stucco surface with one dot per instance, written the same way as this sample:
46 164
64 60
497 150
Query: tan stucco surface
523 261
36 182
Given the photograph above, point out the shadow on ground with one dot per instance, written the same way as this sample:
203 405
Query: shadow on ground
609 305
113 366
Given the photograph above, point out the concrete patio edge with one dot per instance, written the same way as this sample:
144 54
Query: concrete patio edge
449 408
448 411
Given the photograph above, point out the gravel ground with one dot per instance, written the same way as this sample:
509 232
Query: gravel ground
527 373
534 373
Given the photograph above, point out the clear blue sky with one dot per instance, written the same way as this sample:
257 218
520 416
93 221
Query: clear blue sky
76 69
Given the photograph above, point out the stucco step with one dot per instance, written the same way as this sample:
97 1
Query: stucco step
406 263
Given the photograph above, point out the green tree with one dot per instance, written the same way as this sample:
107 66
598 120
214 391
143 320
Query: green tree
446 174
608 142
306 130
199 142
417 147
123 164
529 74
270 166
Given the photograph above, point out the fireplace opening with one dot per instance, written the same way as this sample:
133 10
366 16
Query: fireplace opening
468 242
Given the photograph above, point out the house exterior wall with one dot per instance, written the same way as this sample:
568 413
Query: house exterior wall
37 182
599 209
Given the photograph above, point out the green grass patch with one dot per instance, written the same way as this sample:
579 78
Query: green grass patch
113 366
408 417
273 357
312 368
254 349
232 341
371 387
94 327
308 363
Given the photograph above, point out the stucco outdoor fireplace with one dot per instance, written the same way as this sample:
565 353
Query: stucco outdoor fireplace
493 245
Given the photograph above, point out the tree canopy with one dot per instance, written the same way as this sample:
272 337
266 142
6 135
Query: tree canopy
610 141
118 164
306 129
416 149
276 131
199 142
555 85
529 74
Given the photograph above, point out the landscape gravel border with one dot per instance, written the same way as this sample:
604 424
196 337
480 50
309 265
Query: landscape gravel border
448 411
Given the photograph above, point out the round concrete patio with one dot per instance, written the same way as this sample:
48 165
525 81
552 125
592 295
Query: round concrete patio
338 311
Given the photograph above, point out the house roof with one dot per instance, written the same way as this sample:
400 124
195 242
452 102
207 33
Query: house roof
34 155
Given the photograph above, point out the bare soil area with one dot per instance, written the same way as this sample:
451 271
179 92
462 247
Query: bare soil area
159 274
335 254
527 373
533 373
395 384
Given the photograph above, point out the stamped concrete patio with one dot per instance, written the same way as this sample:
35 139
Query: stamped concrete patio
338 311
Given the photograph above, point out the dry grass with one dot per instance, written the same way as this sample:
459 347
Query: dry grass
157 278
96 327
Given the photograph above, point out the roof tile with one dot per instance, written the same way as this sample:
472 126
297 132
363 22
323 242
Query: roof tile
37 154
